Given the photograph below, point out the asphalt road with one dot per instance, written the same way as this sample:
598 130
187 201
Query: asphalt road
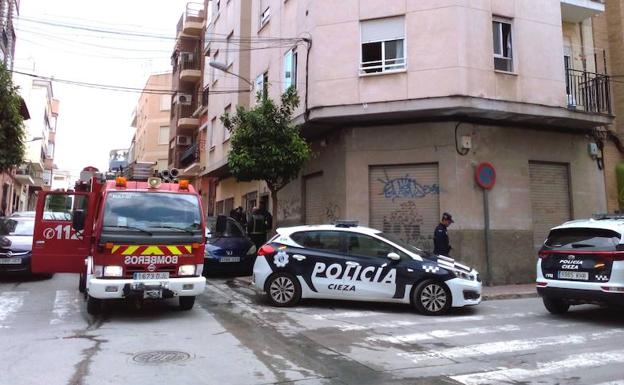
233 337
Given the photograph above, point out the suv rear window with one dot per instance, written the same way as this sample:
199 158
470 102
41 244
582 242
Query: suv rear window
583 238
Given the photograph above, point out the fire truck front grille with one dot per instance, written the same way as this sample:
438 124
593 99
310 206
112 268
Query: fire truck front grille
171 269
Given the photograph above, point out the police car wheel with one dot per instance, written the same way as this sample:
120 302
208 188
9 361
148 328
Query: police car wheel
555 306
432 297
94 305
186 303
283 290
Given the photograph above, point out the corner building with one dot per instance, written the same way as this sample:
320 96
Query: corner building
402 99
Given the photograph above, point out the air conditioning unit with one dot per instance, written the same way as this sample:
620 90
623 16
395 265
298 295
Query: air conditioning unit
183 99
183 140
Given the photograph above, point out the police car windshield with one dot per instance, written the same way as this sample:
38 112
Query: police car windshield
10 226
156 211
396 240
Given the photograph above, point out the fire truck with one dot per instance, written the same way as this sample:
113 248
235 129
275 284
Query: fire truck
128 239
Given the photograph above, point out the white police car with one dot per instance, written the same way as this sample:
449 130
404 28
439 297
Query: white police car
581 262
346 261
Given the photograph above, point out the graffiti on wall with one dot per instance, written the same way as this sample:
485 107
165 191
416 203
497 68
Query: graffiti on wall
407 224
288 209
406 187
332 212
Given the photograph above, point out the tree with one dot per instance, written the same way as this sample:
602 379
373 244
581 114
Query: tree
266 145
11 123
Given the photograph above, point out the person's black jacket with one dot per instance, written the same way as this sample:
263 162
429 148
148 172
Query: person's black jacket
441 244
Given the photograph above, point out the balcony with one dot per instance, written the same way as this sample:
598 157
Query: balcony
183 110
588 92
575 11
189 156
189 65
192 20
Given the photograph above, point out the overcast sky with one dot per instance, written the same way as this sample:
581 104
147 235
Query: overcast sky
94 121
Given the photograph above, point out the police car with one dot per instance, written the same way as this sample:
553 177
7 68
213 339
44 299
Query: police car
346 261
581 262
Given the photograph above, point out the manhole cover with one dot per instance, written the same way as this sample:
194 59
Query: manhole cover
160 357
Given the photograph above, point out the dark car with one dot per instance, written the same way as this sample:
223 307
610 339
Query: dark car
16 237
228 248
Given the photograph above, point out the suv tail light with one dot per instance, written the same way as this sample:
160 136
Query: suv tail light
266 250
544 254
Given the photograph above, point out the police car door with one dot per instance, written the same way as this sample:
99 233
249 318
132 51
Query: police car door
375 276
325 261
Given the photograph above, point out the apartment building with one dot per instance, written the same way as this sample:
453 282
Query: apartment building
151 120
402 99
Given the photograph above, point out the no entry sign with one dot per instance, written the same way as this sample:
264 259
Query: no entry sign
485 175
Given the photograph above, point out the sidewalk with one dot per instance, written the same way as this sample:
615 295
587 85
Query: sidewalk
489 292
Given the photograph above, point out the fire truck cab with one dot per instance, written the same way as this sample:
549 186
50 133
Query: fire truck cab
127 239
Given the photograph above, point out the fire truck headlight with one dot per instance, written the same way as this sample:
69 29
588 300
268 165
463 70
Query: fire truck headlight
113 271
186 270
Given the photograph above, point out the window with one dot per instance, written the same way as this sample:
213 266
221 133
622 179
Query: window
165 102
217 7
228 47
163 135
162 164
367 246
262 85
503 54
290 69
265 12
383 45
226 132
320 240
213 127
219 208
583 239
213 73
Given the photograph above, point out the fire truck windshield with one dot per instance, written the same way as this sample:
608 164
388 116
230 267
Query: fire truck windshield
156 211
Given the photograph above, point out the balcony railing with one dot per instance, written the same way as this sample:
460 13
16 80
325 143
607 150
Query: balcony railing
189 155
588 91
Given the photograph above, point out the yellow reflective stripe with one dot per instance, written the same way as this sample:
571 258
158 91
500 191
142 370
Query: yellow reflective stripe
174 250
189 248
130 250
151 250
115 248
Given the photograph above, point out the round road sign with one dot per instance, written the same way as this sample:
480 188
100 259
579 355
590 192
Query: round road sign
485 175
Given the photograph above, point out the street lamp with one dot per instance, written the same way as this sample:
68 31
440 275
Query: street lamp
34 139
223 67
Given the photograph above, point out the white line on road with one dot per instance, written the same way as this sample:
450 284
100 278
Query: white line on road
65 303
500 347
443 333
10 302
513 375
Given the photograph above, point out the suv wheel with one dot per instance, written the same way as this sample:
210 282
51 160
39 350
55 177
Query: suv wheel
94 305
186 303
283 290
556 306
432 297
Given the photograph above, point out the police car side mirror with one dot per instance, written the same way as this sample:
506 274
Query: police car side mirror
394 256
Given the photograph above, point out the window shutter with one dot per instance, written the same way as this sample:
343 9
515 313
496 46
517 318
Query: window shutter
391 28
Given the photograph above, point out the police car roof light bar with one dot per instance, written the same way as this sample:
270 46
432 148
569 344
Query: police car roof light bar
346 223
608 216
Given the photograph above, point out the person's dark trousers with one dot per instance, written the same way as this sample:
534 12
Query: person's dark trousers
258 239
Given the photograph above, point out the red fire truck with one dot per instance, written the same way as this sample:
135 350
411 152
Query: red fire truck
127 239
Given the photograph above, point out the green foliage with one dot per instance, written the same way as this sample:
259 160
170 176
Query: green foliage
266 145
11 123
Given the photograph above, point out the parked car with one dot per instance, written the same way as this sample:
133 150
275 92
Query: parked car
16 237
228 248
346 261
582 262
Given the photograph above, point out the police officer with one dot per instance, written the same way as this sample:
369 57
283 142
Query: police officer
441 244
259 223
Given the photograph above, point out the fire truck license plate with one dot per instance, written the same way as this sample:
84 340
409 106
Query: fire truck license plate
151 275
10 261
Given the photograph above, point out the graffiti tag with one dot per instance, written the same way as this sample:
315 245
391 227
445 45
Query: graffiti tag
406 187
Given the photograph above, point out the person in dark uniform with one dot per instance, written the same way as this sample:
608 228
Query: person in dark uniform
441 244
259 224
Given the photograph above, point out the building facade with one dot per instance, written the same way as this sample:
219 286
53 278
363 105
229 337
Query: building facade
403 99
151 119
9 10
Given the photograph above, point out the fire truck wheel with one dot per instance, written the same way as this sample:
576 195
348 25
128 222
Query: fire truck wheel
94 305
82 283
186 303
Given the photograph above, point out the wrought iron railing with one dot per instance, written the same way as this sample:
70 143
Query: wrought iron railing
588 91
189 155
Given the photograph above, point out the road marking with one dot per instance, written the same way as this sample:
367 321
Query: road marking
10 302
421 320
443 333
500 347
346 314
65 303
507 375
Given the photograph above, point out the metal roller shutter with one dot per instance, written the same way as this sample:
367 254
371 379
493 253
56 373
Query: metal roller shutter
405 201
550 198
314 198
